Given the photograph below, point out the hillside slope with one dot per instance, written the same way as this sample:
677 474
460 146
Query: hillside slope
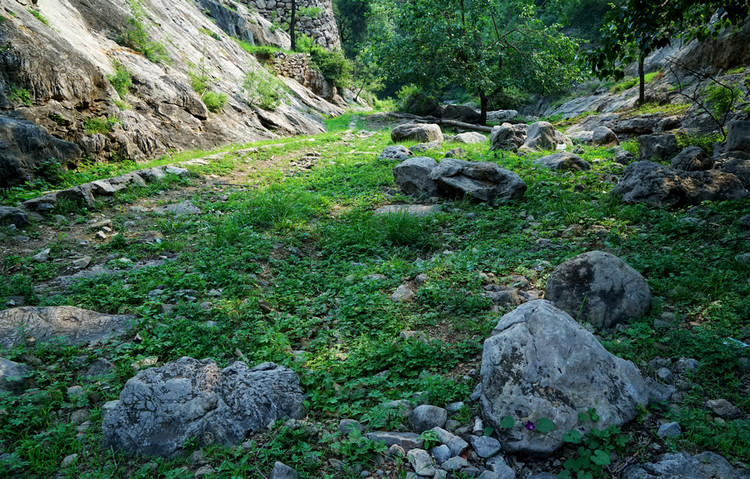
56 60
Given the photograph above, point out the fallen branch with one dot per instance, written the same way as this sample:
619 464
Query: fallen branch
431 119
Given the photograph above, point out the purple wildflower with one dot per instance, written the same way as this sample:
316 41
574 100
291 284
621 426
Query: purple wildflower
530 425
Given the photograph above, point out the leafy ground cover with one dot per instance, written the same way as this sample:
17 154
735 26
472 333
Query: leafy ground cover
304 272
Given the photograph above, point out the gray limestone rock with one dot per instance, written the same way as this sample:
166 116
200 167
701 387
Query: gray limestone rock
421 132
599 288
282 471
14 215
540 136
707 465
485 446
692 158
455 464
427 417
421 461
661 186
684 365
395 152
441 453
669 429
160 408
462 113
413 176
538 363
184 208
657 147
470 137
508 137
346 426
480 181
12 375
564 161
623 156
76 325
407 440
420 147
738 136
603 136
724 409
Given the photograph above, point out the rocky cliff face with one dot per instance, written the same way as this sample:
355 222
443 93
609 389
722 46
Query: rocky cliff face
314 18
57 58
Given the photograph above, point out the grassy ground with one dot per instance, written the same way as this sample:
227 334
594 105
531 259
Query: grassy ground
293 251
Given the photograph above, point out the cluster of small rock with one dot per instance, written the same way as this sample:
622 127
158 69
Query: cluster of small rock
321 26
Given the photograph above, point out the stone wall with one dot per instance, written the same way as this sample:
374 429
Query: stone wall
319 23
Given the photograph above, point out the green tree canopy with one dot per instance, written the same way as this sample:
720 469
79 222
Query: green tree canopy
485 46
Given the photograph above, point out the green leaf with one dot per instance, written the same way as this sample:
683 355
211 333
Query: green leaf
544 425
564 475
488 431
583 417
572 436
593 414
601 458
507 422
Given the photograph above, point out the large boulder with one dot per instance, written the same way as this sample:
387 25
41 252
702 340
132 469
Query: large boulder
508 137
738 136
499 116
600 288
12 375
14 215
657 147
736 163
539 363
662 186
395 152
462 113
564 161
481 181
421 132
25 146
161 408
603 136
540 136
470 137
413 176
692 158
422 105
706 465
75 325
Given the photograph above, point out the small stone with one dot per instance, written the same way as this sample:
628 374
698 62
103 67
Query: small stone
204 471
658 363
84 427
427 417
478 427
454 407
395 451
364 474
206 305
197 457
440 474
470 472
686 365
724 409
42 256
214 293
79 416
488 475
476 394
346 426
485 446
670 429
421 280
100 235
82 263
402 294
75 392
421 461
665 375
282 471
498 465
743 258
407 440
441 453
454 464
69 460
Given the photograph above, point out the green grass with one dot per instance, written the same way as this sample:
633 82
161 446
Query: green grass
95 125
38 15
629 83
308 245
136 36
121 80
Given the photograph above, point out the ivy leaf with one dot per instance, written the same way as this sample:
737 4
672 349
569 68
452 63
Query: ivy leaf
488 431
544 425
507 422
593 414
572 436
601 458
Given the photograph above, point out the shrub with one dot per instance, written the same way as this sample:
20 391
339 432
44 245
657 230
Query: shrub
332 64
263 90
38 15
137 38
95 125
21 95
121 80
214 101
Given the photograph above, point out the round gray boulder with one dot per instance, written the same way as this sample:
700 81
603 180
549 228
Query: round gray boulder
413 176
160 408
421 132
426 417
599 288
539 363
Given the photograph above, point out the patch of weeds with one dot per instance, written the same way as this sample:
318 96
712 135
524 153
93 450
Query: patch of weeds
706 142
209 33
38 15
629 83
264 53
95 125
200 80
20 95
664 110
263 90
137 37
121 80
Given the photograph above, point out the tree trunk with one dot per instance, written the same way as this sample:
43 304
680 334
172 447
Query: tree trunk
291 25
642 81
482 107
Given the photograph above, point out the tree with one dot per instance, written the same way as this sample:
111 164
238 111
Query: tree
486 46
292 21
638 27
351 18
